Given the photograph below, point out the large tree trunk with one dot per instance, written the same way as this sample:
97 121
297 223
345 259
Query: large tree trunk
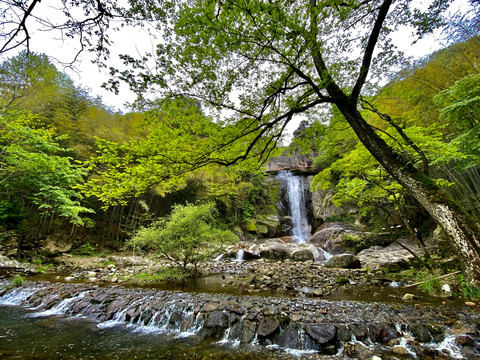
458 225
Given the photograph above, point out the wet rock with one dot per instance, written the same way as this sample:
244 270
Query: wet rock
217 319
343 261
421 332
343 333
322 333
342 280
309 323
357 350
382 333
307 290
243 331
360 331
289 338
409 297
465 340
400 350
210 306
302 255
268 326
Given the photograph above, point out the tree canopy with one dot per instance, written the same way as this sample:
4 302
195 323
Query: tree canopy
254 66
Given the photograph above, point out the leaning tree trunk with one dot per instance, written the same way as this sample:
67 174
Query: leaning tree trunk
445 212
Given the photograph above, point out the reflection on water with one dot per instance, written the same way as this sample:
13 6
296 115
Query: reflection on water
58 337
215 284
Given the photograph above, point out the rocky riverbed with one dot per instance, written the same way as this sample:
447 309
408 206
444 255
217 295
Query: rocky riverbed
349 329
310 307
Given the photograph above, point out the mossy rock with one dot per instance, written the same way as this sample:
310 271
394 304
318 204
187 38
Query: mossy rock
250 225
262 229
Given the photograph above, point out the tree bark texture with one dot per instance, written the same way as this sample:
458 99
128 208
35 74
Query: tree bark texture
446 213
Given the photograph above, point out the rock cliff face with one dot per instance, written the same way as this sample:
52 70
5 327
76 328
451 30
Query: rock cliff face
296 163
319 204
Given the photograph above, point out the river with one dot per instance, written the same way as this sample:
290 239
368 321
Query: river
26 335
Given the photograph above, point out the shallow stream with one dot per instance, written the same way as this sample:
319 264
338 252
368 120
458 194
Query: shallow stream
25 335
45 320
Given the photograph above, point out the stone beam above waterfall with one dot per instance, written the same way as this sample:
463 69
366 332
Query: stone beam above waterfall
295 163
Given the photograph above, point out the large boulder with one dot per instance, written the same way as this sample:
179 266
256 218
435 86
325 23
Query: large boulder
323 206
9 267
322 236
343 261
270 225
274 249
330 236
277 249
268 326
322 333
392 257
54 247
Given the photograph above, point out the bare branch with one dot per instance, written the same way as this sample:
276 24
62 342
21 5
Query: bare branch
368 54
21 26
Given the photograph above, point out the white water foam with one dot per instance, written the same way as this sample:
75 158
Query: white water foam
449 346
240 254
17 296
59 309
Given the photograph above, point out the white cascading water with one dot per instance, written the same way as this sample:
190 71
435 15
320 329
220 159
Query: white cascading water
296 204
240 255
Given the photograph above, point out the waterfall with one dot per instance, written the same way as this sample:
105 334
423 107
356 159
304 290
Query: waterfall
297 206
240 254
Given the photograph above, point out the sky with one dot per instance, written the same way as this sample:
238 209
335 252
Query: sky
137 41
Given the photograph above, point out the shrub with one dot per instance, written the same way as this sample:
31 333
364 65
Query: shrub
468 290
354 242
187 236
17 281
85 249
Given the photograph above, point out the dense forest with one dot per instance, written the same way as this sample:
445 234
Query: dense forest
406 153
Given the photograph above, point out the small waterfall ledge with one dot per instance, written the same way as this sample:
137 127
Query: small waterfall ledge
291 324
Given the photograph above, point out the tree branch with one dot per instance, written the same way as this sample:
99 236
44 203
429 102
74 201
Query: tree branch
21 26
368 54
367 106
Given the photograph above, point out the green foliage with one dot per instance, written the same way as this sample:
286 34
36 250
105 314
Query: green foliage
85 250
35 172
188 235
354 242
460 107
180 140
17 281
468 290
431 286
43 268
